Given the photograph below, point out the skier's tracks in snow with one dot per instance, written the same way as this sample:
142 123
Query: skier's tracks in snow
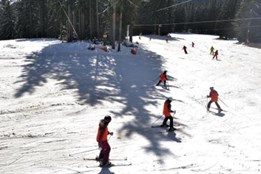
178 167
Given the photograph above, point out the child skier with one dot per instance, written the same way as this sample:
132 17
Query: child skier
212 50
213 95
215 55
163 78
185 49
102 140
167 113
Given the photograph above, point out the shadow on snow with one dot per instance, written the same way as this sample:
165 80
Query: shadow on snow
114 77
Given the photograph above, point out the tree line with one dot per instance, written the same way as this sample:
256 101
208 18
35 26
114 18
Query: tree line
113 20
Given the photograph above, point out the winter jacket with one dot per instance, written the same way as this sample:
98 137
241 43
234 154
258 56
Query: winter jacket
163 77
213 95
102 132
167 109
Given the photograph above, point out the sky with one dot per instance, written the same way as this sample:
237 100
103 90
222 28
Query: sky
54 94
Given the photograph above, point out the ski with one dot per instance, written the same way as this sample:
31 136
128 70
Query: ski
177 123
159 126
111 165
111 159
161 87
175 129
167 126
222 110
179 167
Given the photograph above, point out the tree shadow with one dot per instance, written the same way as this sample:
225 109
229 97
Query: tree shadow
94 78
220 114
172 136
105 170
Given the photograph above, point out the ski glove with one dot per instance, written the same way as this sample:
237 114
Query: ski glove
111 133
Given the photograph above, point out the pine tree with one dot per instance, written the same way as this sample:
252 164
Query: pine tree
227 12
7 21
248 27
27 19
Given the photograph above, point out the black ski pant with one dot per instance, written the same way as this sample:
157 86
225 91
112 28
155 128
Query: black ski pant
170 118
209 103
164 82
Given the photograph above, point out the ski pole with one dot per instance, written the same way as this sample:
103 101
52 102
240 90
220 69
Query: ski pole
173 115
109 137
156 120
156 79
223 102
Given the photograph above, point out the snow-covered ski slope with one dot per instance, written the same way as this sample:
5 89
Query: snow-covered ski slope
53 95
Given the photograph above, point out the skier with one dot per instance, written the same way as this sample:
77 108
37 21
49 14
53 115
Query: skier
185 49
163 78
212 50
193 44
140 36
167 113
134 51
102 140
213 95
215 55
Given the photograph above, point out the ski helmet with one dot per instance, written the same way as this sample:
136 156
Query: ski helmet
211 88
170 98
107 118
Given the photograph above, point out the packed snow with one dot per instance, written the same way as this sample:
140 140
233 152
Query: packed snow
54 94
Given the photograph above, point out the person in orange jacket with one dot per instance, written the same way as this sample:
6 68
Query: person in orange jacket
167 113
102 140
163 78
213 95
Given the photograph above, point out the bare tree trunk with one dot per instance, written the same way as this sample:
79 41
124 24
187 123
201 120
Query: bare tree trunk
120 31
131 32
90 22
83 25
74 22
113 24
97 19
69 30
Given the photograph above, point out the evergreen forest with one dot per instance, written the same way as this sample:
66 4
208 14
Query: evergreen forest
113 20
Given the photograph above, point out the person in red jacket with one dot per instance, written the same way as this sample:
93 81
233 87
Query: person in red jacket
215 55
167 113
163 78
102 140
213 95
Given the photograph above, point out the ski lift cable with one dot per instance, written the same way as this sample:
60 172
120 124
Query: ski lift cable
173 5
116 3
68 19
201 22
221 29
